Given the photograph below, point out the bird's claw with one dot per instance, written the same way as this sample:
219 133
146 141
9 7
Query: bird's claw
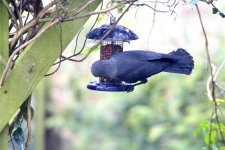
130 89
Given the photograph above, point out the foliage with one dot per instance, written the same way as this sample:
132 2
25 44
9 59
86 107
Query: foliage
163 118
26 65
167 113
215 139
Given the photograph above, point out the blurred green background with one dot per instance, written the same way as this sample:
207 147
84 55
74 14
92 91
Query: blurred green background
163 114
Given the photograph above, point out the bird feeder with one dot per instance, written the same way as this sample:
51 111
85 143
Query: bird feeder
112 43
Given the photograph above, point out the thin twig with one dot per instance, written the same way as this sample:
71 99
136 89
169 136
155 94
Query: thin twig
100 41
77 37
61 6
84 43
81 8
56 21
18 14
210 129
11 13
219 69
206 41
154 9
93 25
30 25
10 61
221 88
11 139
109 31
29 132
61 50
153 23
213 82
74 17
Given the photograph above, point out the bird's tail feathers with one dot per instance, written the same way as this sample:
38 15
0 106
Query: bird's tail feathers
185 62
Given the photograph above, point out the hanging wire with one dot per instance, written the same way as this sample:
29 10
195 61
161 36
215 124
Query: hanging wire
171 7
25 22
109 13
176 2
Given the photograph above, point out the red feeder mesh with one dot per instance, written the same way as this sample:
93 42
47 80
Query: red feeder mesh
107 50
110 48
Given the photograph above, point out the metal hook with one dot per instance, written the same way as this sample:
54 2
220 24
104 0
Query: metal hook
109 13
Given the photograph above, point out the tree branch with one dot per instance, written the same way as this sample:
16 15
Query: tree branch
30 25
29 132
12 14
100 41
213 83
10 61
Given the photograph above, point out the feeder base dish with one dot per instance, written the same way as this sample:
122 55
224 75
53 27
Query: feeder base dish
110 87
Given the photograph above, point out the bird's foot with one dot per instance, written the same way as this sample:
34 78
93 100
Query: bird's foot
141 82
130 88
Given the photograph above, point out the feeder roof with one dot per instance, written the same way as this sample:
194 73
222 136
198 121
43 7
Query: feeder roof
120 33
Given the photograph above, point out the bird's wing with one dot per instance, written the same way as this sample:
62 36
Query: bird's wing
143 55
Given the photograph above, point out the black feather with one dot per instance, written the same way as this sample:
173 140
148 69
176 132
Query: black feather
133 66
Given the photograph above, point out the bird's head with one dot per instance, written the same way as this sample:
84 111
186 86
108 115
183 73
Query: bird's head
100 68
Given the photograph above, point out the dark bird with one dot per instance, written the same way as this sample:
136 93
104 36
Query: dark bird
134 66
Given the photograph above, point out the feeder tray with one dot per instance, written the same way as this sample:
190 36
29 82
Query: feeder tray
113 43
109 87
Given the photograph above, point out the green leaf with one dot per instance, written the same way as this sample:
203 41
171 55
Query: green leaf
219 101
221 148
202 129
87 50
212 138
120 9
101 17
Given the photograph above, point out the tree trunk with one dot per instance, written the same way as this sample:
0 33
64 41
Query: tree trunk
4 54
39 55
